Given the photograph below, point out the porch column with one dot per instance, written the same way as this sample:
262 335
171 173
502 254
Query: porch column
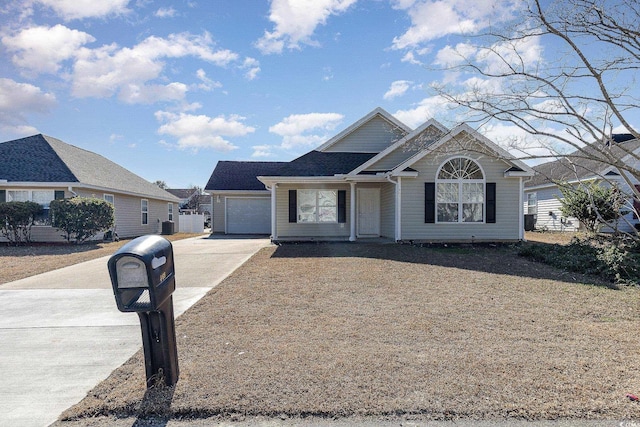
274 231
352 220
399 209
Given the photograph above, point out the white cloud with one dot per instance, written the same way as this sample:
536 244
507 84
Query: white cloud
165 12
296 21
303 130
431 19
426 109
207 84
201 131
398 88
262 151
252 66
108 70
18 100
42 49
79 9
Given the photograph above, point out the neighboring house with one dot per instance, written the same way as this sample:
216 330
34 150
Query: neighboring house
184 194
191 201
40 168
542 194
378 178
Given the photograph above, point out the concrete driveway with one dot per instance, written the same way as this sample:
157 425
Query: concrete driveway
61 332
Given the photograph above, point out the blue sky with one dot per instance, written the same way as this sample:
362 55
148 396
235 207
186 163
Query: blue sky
168 88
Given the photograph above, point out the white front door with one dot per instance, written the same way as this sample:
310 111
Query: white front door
369 212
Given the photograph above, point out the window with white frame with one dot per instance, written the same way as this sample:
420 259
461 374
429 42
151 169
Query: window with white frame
144 208
317 206
170 207
460 191
109 198
41 197
532 203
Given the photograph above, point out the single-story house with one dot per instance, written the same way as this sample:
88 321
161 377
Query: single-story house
40 168
378 178
542 194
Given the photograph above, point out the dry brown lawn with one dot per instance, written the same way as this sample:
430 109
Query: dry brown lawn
18 262
394 331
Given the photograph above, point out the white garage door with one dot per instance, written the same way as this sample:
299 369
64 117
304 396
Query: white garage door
248 215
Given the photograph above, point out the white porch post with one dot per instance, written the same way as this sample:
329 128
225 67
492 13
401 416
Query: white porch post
274 231
352 235
399 209
521 210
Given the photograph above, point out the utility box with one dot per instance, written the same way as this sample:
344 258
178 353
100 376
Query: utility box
168 228
529 222
143 279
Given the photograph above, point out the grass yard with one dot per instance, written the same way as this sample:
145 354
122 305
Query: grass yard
327 331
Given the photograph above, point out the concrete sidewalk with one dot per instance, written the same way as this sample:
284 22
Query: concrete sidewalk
61 332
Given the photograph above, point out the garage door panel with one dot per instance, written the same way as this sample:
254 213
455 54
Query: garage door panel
248 215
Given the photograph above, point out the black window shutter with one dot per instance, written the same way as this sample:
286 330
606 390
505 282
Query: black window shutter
429 202
293 206
491 202
3 196
58 194
342 206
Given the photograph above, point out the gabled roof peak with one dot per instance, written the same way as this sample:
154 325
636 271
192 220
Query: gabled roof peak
376 112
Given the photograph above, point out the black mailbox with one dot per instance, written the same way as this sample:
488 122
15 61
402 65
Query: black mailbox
143 279
142 274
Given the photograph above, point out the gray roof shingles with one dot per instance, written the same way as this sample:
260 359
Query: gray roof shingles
41 158
241 176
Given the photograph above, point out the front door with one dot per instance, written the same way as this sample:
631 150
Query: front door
368 212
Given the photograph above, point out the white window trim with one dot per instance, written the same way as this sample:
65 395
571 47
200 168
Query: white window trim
534 205
459 182
144 210
316 190
113 198
170 211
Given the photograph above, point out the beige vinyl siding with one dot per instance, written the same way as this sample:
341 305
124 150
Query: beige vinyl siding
372 137
548 215
129 214
388 211
507 226
285 229
391 160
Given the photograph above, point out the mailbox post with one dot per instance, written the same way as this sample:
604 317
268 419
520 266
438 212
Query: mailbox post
143 279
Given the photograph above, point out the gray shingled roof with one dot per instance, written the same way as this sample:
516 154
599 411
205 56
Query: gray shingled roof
41 158
241 176
320 163
572 168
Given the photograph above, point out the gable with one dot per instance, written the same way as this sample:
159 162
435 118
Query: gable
407 148
463 139
373 136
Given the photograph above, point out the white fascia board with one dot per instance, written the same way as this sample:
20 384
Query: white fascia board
390 149
515 174
81 186
551 184
271 180
241 192
378 111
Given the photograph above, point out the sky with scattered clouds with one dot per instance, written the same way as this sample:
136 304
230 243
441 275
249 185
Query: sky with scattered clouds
168 88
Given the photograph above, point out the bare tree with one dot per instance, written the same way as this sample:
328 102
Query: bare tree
569 104
161 184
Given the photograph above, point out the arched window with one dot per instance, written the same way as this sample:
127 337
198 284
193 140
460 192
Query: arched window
460 191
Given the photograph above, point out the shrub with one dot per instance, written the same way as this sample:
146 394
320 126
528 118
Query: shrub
16 220
612 258
81 218
593 204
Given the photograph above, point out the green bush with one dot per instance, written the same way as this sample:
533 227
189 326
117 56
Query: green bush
593 204
16 220
81 218
612 258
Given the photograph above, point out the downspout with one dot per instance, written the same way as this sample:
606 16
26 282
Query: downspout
397 225
70 188
521 210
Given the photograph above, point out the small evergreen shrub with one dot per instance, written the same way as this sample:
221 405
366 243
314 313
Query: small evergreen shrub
81 218
16 220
